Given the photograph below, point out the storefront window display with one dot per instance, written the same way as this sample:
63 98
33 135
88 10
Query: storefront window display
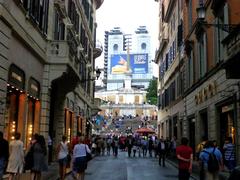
227 128
69 120
15 102
33 109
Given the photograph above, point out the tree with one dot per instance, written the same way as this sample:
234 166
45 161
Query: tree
152 92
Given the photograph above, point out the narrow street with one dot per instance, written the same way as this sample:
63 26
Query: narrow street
125 168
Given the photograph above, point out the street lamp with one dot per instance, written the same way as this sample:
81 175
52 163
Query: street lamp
94 77
201 14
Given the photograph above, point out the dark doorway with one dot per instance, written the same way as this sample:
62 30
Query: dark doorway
204 124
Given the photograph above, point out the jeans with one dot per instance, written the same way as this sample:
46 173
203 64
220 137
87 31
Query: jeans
230 164
2 166
162 156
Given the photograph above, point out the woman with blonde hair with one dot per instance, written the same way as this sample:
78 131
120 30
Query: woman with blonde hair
16 159
80 159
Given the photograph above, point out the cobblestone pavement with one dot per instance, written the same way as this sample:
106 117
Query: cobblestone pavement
125 168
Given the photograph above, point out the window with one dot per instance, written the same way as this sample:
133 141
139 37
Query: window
180 34
189 15
202 54
159 101
73 15
219 35
166 62
115 47
38 11
143 46
190 70
59 28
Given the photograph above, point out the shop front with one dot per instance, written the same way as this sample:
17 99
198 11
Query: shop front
15 104
33 107
69 120
80 122
22 106
227 123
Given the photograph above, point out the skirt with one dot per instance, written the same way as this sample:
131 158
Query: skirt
80 164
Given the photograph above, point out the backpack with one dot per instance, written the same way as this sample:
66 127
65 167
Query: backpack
213 164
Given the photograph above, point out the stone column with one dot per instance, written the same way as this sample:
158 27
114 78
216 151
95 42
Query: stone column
45 104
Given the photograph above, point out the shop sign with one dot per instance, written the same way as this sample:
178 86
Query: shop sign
16 77
227 108
206 93
34 88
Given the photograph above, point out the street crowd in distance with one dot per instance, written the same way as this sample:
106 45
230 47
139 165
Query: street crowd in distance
76 153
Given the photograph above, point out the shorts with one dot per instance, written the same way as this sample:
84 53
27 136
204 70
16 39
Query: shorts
63 161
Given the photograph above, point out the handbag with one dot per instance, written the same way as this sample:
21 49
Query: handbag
88 155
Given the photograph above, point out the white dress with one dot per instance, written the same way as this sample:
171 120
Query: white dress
16 159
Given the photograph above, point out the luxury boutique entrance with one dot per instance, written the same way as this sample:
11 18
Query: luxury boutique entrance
227 128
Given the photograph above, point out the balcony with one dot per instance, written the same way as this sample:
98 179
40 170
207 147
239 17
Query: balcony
61 6
59 53
97 50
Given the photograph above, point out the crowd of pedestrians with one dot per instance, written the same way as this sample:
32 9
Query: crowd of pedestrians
75 154
14 161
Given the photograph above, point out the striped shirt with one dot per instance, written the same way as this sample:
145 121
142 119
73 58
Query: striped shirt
229 151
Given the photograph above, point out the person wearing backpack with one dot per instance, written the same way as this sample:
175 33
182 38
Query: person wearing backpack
211 161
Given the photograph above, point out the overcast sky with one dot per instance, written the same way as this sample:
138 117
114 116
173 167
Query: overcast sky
128 15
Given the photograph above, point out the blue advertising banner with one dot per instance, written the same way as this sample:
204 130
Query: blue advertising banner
138 64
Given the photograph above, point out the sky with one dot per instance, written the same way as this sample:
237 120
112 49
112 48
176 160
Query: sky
128 15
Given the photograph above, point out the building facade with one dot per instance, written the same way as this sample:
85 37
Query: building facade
127 73
47 65
169 57
117 47
210 79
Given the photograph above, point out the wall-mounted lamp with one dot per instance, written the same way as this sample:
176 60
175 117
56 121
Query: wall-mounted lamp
201 14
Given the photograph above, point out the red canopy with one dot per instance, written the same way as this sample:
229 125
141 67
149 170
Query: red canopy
145 130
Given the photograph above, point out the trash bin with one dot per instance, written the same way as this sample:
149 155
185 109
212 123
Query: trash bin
235 174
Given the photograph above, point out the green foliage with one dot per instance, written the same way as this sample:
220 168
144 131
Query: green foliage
152 92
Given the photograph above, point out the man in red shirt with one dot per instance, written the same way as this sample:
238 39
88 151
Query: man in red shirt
185 156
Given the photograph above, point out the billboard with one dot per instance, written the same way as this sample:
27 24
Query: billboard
135 64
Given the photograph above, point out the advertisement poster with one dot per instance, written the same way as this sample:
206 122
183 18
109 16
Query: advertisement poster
138 64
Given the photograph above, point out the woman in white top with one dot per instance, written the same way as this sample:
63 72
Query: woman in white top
79 158
63 151
16 159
